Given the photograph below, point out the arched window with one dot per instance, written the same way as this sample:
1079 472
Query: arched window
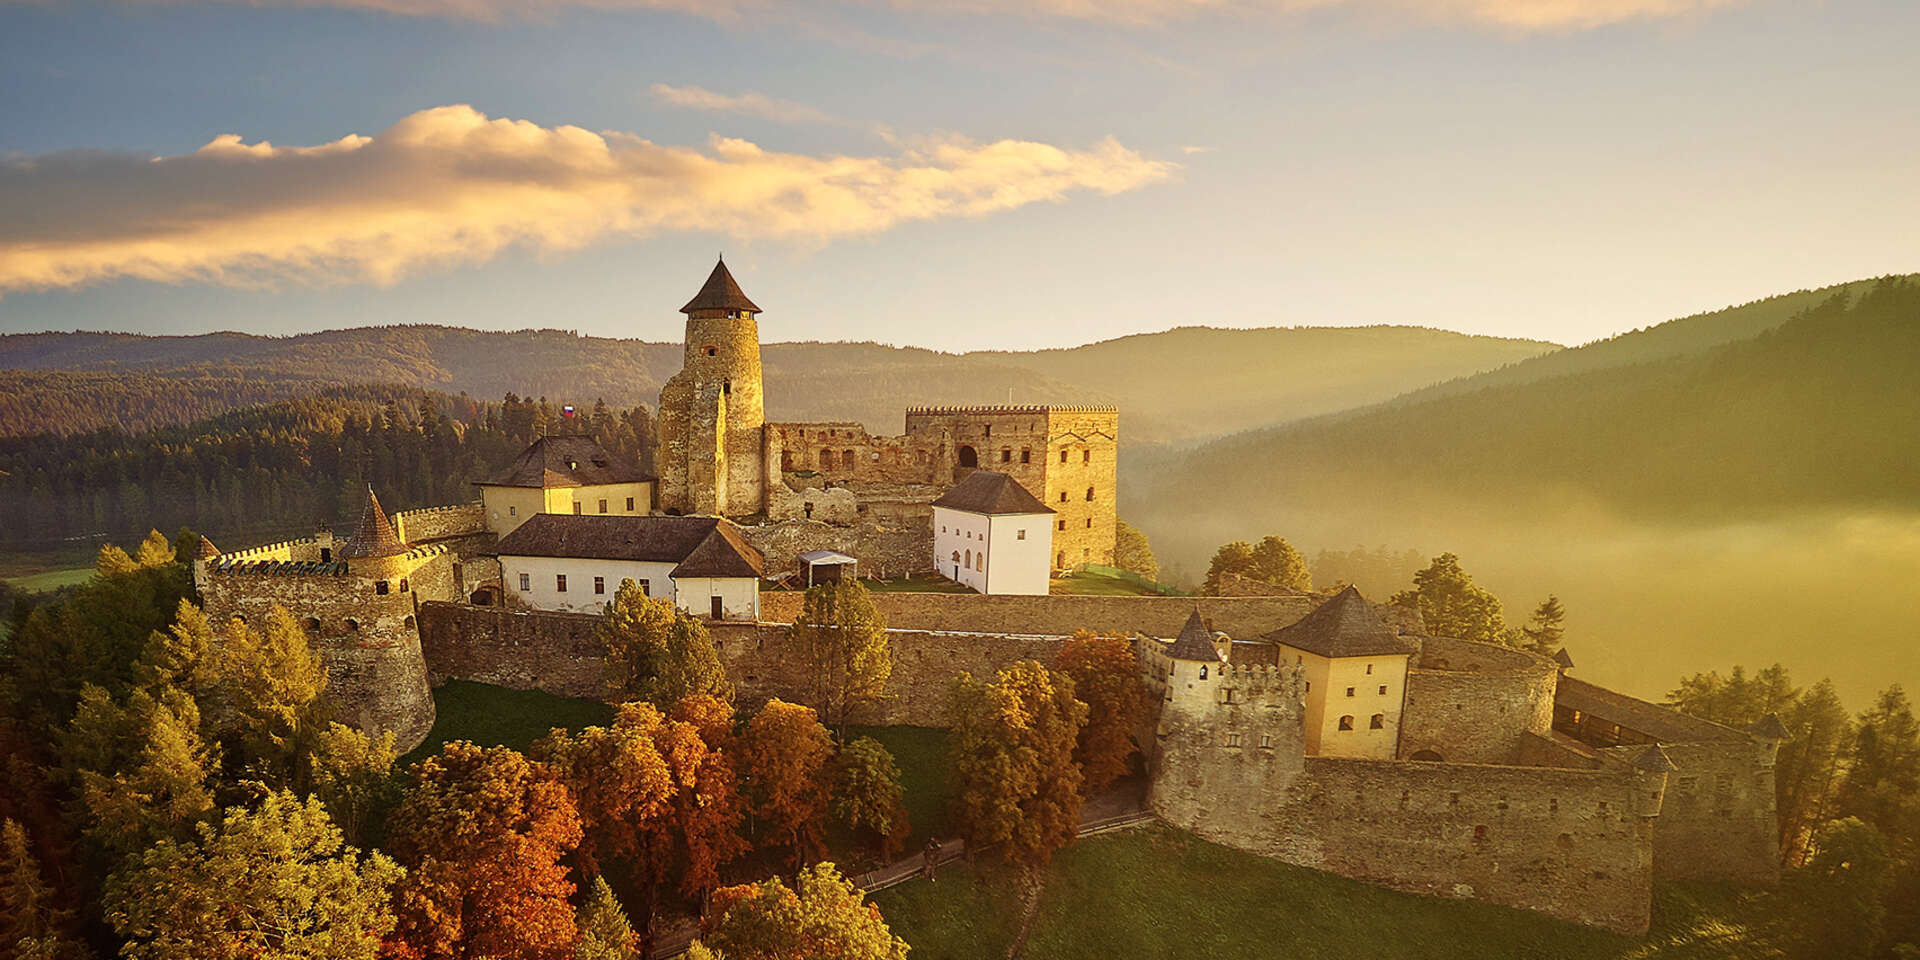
968 456
1378 722
1203 671
956 558
711 350
1427 756
1346 723
1089 494
313 624
353 626
969 559
846 459
980 561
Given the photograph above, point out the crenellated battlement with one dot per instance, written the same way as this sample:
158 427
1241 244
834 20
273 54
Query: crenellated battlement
283 549
1012 408
435 523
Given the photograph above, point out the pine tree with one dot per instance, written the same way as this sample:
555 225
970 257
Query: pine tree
605 933
28 911
1451 605
1543 630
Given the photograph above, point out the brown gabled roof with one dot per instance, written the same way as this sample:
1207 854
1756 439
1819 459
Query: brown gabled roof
1345 626
1195 642
702 546
373 536
565 460
984 491
720 293
1663 724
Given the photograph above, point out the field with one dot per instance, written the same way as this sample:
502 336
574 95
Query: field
496 716
1097 584
1155 892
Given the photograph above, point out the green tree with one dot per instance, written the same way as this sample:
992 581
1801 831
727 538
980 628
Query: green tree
1807 773
1231 560
28 911
184 656
1106 677
352 774
140 769
1882 785
823 917
1275 561
1131 551
1833 904
1545 628
1017 786
605 932
844 639
271 882
1451 605
657 652
268 701
867 794
1736 700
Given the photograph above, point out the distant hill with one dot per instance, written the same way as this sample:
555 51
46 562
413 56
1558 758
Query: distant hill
1183 384
1819 412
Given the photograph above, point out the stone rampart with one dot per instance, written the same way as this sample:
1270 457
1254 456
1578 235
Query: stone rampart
1475 702
1719 820
440 523
886 547
1238 617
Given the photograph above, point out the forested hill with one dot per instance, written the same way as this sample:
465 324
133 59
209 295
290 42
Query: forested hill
1820 412
1182 384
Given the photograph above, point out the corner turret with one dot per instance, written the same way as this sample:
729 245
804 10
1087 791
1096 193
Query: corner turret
1650 769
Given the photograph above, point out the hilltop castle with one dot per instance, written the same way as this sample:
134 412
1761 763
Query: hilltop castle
1322 730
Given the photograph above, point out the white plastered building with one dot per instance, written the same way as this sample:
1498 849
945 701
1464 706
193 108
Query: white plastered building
576 563
991 534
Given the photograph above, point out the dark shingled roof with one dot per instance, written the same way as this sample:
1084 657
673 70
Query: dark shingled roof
1194 642
702 546
1769 727
207 550
1654 760
1562 658
1661 723
1345 626
373 536
720 293
984 491
565 460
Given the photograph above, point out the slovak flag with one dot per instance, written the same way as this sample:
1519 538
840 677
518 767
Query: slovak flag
567 411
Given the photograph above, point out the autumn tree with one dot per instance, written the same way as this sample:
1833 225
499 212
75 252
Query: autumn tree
482 833
272 882
867 795
783 757
1106 677
1452 605
605 932
352 774
822 917
619 781
139 768
32 922
1545 627
185 656
849 657
1016 783
155 551
1132 552
1231 560
268 697
657 652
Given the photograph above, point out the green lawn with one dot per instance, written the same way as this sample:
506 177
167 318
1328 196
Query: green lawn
51 579
1099 585
921 753
922 583
496 716
1156 892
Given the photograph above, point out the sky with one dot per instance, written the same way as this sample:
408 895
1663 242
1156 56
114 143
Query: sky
978 174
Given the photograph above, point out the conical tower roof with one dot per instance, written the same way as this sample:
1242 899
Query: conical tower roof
1769 727
1654 760
207 550
720 293
1194 642
373 536
1564 659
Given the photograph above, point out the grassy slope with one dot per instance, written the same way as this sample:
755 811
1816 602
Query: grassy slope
495 716
1157 892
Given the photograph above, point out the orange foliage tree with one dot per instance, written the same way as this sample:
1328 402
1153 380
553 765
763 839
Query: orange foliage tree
1106 677
482 833
822 917
784 755
1017 786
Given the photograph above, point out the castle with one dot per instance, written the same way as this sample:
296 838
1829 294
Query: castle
1322 730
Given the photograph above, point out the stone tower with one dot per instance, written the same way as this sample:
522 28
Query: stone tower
711 460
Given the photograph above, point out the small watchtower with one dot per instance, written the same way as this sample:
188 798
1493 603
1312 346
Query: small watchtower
712 412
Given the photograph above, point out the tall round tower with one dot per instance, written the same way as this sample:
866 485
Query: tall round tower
711 414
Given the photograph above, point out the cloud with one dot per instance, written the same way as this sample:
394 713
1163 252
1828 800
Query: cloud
1191 149
1523 15
450 185
751 104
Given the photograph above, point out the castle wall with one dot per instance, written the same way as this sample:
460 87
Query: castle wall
440 523
1084 528
1719 820
1238 617
885 546
1475 702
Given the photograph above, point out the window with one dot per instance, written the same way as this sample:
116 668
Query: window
980 561
943 528
1349 691
1369 668
969 563
526 581
1203 671
1086 456
1377 722
1026 455
629 504
1063 496
1019 534
646 588
1006 454
1061 560
1063 524
1089 494
1383 689
599 584
353 626
726 387
987 431
403 584
380 588
1089 523
513 511
1233 739
603 506
1346 723
1266 741
1063 456
956 558
719 612
712 350
576 508
846 459
560 583
326 555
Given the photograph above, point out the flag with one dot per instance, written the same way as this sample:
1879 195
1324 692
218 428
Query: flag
567 411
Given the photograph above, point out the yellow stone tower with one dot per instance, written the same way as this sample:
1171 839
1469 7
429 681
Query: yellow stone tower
711 460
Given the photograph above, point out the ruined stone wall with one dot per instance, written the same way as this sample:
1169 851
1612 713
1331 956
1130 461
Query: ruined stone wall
368 641
844 452
557 653
1475 702
440 523
885 547
1238 617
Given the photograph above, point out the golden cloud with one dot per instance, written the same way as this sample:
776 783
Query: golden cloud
750 103
1507 14
451 185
